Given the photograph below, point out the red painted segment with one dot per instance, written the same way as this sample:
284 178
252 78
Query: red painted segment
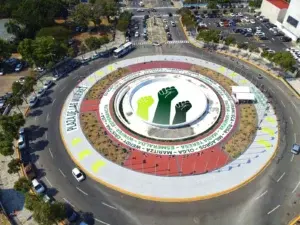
159 64
281 4
89 105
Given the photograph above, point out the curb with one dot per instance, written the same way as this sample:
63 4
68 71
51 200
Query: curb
157 199
27 111
266 71
295 220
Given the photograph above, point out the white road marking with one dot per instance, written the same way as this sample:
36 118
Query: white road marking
62 172
294 105
51 153
272 91
103 203
53 101
47 119
48 181
81 191
68 202
100 221
292 157
291 120
282 103
281 89
261 195
46 135
73 78
281 177
296 187
273 209
61 90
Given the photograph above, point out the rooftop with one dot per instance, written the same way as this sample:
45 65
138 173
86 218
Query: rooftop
281 4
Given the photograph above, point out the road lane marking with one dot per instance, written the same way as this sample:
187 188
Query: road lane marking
272 91
291 120
292 157
110 206
48 181
46 135
51 153
296 187
281 89
62 172
53 101
294 105
280 177
81 191
282 103
261 195
47 119
68 202
61 90
100 221
273 209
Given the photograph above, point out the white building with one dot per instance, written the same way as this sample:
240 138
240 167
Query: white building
274 10
290 25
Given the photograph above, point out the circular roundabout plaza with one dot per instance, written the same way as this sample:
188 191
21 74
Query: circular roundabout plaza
168 128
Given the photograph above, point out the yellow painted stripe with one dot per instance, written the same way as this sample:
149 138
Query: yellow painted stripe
76 141
84 153
99 73
265 143
244 81
270 119
295 220
222 69
91 78
110 68
97 165
233 74
268 131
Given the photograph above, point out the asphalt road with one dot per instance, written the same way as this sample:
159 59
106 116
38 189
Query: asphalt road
266 200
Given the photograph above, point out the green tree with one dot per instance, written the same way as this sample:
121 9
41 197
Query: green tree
229 40
209 35
32 201
26 49
16 88
109 7
212 5
5 50
15 28
81 14
14 166
48 214
22 185
12 124
124 20
6 146
58 32
16 100
255 3
93 43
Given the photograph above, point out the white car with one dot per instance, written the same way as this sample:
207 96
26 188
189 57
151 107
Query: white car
140 10
252 21
21 142
33 101
41 92
173 24
136 34
38 187
155 43
249 30
78 174
232 14
240 14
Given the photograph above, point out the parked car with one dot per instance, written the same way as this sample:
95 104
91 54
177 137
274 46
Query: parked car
136 34
19 67
22 142
33 101
248 35
29 169
48 84
173 24
295 149
285 39
79 176
38 186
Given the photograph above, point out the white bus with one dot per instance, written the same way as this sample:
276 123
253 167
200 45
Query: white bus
123 49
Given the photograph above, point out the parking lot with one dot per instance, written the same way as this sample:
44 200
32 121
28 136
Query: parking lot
272 41
155 27
148 3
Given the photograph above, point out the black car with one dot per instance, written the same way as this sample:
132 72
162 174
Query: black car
285 39
170 14
153 10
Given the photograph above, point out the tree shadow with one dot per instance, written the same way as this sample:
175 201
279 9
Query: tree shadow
88 217
36 132
12 200
51 192
38 146
36 112
48 92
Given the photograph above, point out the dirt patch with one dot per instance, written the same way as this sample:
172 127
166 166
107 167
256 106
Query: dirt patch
91 127
99 88
3 219
99 139
244 135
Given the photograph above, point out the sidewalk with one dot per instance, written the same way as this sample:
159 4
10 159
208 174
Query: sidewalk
119 39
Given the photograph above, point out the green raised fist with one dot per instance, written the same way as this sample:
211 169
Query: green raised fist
144 104
167 94
183 107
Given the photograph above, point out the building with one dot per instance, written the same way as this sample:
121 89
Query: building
274 10
290 25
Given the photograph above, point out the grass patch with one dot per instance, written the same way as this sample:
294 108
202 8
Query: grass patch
100 140
99 88
244 135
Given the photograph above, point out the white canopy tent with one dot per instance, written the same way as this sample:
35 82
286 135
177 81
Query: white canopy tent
245 97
